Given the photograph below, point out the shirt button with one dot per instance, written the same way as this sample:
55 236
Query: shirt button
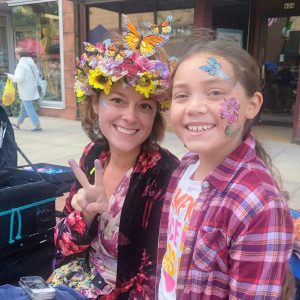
205 184
188 250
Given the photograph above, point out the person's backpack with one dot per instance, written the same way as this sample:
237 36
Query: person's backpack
8 151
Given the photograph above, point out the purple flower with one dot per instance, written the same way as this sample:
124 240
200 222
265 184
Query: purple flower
230 110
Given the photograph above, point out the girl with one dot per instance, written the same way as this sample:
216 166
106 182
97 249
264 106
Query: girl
226 231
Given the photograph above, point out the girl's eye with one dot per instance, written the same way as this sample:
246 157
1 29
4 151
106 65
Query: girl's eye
215 94
179 97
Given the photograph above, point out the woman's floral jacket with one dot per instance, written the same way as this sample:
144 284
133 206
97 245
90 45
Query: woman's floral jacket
139 224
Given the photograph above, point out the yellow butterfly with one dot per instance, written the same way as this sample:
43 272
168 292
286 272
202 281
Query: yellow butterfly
134 40
114 51
162 28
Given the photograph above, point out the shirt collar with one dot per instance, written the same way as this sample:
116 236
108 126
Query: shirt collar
224 172
145 161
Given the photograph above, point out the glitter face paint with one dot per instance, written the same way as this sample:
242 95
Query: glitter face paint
103 103
229 110
214 68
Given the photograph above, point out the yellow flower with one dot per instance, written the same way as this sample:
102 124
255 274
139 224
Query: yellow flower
99 80
79 92
145 84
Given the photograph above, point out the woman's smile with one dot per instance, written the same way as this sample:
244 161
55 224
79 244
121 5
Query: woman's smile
126 131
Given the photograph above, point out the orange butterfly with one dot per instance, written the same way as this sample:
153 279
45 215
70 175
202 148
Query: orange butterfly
162 28
93 49
146 45
115 52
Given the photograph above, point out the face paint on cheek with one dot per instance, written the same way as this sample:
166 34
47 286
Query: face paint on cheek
229 110
104 104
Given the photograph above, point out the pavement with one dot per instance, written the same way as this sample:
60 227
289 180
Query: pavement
61 140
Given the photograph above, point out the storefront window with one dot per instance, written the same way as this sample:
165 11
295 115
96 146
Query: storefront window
37 31
183 20
100 31
3 54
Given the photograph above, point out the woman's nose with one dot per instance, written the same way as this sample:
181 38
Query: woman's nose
129 114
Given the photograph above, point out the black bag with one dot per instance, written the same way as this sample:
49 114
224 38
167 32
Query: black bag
8 151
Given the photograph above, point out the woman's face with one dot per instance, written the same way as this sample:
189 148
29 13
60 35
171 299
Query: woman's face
125 118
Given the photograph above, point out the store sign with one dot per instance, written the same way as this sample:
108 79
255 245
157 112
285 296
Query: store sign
289 5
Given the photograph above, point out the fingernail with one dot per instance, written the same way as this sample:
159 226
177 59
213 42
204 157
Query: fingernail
97 164
72 162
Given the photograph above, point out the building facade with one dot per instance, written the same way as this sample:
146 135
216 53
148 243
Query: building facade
54 31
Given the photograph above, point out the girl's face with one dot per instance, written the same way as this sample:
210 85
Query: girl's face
209 108
125 118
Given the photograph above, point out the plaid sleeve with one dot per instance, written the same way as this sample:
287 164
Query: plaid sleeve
260 254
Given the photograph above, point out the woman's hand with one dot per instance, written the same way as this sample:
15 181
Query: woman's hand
91 198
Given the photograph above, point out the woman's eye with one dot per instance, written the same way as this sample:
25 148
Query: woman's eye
116 100
145 106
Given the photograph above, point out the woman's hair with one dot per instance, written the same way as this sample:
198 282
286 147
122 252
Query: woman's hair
246 70
21 51
88 118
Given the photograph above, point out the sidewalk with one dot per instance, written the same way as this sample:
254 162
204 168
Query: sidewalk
61 140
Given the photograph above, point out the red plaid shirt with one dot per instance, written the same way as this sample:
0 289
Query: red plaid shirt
240 235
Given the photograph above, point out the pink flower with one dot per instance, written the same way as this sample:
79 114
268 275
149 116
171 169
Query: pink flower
230 110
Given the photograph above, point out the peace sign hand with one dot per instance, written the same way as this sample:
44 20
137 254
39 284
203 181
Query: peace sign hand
91 198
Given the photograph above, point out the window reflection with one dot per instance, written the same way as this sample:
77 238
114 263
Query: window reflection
3 54
37 31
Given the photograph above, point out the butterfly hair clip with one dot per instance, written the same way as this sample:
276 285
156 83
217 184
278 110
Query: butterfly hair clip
136 41
214 68
164 28
115 51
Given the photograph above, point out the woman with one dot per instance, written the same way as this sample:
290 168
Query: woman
113 210
27 78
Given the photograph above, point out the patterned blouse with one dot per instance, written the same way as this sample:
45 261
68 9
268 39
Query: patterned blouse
138 224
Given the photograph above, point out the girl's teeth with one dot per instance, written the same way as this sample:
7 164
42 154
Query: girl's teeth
126 131
200 127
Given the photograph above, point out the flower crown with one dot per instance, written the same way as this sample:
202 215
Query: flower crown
105 63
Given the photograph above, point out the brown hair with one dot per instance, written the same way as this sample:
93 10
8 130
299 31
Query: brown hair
246 70
88 117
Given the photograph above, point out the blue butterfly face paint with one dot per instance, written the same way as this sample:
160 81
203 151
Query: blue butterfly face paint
214 68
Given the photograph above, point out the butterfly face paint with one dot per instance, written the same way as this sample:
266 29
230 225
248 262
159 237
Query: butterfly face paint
214 68
229 110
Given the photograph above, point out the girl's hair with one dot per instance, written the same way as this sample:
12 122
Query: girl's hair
88 117
246 70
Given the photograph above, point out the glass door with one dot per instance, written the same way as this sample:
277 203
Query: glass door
281 58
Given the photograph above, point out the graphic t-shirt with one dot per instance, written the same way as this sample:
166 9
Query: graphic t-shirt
182 205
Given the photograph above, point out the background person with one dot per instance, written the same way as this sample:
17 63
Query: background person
26 76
